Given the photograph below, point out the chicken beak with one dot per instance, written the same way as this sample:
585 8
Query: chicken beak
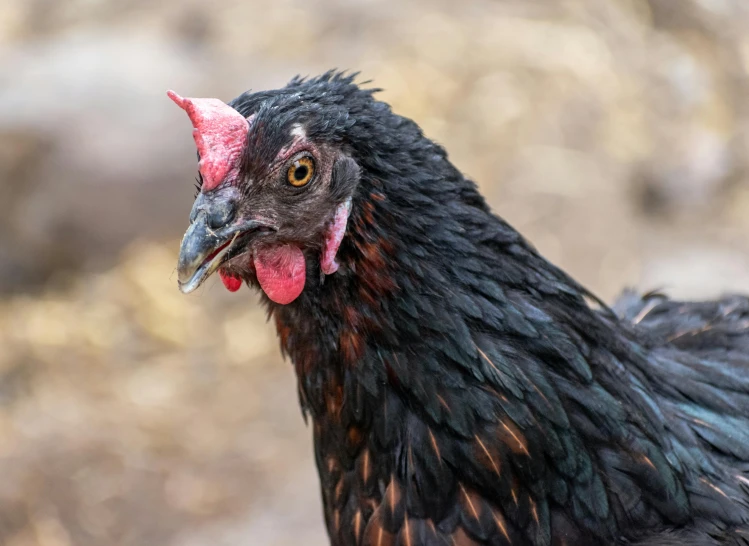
195 261
209 240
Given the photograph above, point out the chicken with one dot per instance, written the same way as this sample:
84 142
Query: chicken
462 389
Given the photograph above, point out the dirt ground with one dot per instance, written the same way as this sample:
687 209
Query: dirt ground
613 134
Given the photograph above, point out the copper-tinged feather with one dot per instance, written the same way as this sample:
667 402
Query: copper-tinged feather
435 536
351 346
469 502
494 464
543 397
519 444
390 513
352 316
460 538
392 495
365 466
367 211
534 510
693 332
476 515
372 268
339 490
702 423
357 526
648 462
375 533
489 361
284 331
406 531
434 445
501 525
355 437
443 402
714 487
381 534
334 401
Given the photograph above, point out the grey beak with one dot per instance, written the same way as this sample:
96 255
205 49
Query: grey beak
209 239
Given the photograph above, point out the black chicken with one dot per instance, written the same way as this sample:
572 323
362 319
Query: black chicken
462 389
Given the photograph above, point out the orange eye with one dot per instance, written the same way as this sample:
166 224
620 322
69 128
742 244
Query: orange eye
300 171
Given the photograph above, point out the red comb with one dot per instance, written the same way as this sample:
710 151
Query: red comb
220 133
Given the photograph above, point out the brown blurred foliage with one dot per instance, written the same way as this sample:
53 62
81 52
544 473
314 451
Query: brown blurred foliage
613 134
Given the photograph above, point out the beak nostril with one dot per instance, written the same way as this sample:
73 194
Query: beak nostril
220 216
218 209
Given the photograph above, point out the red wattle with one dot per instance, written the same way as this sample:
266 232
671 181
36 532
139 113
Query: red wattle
281 272
231 283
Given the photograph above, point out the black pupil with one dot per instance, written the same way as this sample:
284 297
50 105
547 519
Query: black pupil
300 173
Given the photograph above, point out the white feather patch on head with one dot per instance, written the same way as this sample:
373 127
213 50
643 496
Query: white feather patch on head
297 131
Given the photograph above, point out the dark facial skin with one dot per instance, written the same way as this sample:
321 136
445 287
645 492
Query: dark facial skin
264 207
298 214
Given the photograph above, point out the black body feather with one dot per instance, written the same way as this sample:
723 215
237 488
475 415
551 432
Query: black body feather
463 390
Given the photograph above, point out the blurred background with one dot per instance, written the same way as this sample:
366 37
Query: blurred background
614 134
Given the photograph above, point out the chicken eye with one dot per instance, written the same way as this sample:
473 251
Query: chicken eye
300 172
